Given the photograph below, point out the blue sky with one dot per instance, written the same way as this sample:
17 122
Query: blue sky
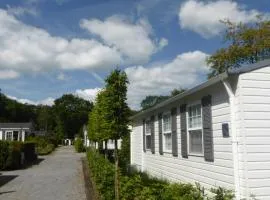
52 47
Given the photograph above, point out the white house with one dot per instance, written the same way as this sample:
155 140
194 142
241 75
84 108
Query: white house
15 131
217 134
88 143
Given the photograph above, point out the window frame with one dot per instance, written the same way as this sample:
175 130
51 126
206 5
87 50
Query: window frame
11 135
166 132
195 103
147 133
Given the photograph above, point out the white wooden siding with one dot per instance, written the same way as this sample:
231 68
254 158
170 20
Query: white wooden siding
136 144
194 169
254 147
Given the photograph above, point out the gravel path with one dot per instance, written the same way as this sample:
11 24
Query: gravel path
58 177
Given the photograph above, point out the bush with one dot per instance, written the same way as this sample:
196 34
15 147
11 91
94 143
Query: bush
139 186
29 151
79 147
14 155
44 145
4 152
102 172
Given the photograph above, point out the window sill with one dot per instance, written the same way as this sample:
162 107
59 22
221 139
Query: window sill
196 155
167 152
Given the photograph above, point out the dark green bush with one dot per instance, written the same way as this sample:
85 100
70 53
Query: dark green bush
79 147
4 151
29 151
11 154
13 160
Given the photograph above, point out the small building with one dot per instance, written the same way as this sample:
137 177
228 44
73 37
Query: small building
89 143
217 134
15 131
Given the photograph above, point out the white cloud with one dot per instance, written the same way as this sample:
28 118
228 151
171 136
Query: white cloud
87 94
62 77
48 101
133 40
204 17
185 70
19 11
29 49
8 74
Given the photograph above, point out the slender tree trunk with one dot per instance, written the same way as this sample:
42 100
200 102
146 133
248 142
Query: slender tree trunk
116 182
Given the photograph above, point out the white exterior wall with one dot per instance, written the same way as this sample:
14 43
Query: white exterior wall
193 169
1 135
254 129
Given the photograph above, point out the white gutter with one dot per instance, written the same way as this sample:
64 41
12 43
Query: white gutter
234 139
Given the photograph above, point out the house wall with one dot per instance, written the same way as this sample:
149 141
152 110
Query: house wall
194 168
1 135
254 137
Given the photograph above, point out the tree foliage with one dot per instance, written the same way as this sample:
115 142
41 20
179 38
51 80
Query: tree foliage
110 116
247 44
151 100
65 118
71 113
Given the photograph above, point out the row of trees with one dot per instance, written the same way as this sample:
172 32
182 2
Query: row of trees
110 116
64 119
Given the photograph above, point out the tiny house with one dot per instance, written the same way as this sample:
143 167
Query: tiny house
15 131
217 134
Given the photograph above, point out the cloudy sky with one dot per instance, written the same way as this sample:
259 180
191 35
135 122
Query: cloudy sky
52 47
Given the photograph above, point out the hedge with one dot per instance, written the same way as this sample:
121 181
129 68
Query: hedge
44 145
79 147
139 186
11 154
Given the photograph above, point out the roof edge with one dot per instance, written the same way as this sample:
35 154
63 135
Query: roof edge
205 84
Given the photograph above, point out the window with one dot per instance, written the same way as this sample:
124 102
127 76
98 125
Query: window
15 135
9 135
195 129
167 132
148 134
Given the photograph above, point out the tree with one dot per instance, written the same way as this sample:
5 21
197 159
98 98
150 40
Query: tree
98 125
247 44
116 113
71 113
150 101
175 91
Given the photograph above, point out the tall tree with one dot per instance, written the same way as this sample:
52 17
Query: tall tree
247 44
117 113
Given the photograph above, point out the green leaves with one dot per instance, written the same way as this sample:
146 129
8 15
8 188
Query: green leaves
109 117
247 44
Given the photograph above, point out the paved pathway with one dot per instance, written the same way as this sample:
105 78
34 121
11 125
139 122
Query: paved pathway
58 177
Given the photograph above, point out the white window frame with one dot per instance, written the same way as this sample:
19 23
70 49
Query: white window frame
11 134
194 128
165 132
148 132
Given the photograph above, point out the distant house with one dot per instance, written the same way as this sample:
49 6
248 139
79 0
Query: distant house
89 143
217 134
15 131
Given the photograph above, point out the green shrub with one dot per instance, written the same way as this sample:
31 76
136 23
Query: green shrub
102 173
79 147
45 150
222 194
13 160
4 151
44 145
29 151
139 186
